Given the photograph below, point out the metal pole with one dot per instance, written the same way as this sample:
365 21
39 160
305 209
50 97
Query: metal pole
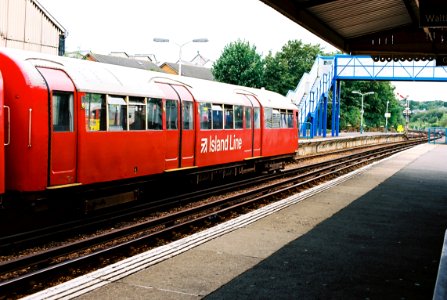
180 60
386 117
362 110
361 118
162 40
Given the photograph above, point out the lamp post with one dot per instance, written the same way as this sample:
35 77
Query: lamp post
387 115
162 40
362 111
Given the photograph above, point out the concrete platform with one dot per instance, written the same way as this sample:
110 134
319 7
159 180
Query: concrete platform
346 140
378 235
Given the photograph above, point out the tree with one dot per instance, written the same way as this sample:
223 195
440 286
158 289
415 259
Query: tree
284 70
239 64
374 105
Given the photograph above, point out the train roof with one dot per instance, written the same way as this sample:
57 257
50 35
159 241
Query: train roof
98 77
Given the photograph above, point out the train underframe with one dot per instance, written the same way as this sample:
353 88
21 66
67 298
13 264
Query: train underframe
92 197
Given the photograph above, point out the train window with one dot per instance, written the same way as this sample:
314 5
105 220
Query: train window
137 113
297 121
171 114
257 117
205 115
248 117
238 117
217 116
268 117
62 112
229 116
95 112
289 119
117 110
276 119
272 118
154 114
187 115
283 120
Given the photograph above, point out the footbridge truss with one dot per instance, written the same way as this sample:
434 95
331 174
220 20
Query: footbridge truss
312 92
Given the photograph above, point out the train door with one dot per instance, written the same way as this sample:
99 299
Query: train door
172 132
179 126
256 126
187 132
4 135
63 136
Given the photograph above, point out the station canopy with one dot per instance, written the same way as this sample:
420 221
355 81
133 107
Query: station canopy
384 29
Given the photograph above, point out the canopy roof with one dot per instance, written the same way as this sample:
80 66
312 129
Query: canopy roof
385 28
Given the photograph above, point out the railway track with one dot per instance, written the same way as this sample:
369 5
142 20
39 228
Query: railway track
34 271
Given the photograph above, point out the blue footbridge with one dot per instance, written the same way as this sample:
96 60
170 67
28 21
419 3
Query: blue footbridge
312 93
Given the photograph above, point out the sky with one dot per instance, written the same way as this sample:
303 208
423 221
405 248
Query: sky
104 26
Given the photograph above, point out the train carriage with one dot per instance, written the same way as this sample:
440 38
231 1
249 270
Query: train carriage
223 124
75 122
279 123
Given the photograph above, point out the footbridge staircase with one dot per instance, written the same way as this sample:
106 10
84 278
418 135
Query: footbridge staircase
314 89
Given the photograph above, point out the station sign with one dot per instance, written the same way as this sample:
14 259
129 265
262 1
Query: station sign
441 60
433 13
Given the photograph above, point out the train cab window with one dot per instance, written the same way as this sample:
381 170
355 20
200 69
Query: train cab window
154 114
62 112
95 112
289 119
187 115
229 116
205 115
217 116
117 110
238 117
171 114
257 117
137 113
248 117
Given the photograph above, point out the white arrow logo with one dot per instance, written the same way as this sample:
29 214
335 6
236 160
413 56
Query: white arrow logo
204 145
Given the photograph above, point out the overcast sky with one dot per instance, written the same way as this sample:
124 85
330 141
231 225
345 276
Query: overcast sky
105 26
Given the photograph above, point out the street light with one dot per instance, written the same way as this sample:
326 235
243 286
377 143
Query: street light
362 111
387 115
162 40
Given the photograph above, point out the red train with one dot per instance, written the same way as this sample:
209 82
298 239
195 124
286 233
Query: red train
68 122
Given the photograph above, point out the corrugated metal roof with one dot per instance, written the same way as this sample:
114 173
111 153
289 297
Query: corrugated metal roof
353 18
50 17
126 62
376 27
192 71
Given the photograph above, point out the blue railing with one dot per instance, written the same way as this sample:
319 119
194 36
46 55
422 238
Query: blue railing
312 92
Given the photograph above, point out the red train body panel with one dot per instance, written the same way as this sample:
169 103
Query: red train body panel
76 122
4 125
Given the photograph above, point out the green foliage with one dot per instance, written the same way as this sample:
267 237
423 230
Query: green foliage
374 105
239 64
284 70
428 114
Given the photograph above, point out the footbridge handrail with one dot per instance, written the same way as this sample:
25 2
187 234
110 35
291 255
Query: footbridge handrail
311 93
312 87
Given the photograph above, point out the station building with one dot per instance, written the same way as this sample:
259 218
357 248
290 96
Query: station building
27 25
